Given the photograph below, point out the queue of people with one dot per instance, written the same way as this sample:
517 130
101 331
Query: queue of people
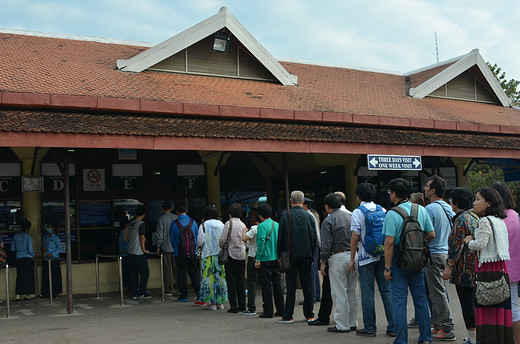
465 240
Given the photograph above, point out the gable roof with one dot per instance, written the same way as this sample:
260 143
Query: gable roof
223 19
439 74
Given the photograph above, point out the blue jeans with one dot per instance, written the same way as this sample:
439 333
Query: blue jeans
401 281
367 274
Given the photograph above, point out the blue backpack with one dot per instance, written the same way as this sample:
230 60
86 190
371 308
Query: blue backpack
374 238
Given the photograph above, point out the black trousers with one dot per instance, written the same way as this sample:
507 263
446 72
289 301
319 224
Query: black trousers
303 267
235 278
56 278
467 303
189 266
271 281
326 298
251 283
138 266
25 276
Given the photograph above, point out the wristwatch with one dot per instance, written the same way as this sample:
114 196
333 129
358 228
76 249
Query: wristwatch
387 268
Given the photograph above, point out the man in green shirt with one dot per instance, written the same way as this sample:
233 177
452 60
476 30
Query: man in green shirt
267 262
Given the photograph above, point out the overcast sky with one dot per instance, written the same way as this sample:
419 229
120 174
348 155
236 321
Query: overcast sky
396 35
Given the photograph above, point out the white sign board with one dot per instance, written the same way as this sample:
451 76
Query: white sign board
94 179
394 162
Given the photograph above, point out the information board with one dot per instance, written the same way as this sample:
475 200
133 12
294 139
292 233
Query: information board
394 162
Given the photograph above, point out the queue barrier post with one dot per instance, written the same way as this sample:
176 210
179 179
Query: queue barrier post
7 291
162 272
120 273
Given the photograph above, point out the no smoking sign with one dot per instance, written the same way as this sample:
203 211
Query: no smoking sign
93 179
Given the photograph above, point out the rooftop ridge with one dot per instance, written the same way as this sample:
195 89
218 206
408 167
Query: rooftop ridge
77 37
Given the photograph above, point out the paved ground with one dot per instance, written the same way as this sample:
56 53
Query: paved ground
153 321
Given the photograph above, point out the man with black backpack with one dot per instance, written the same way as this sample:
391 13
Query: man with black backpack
407 227
368 239
183 236
441 215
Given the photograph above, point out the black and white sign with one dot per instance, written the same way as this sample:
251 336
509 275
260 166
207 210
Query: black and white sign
394 162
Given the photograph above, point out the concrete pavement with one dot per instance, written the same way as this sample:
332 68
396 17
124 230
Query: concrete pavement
103 320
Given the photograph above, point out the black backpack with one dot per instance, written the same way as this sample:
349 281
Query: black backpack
412 252
187 240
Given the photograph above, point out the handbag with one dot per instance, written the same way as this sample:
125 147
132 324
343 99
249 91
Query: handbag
223 256
285 256
492 287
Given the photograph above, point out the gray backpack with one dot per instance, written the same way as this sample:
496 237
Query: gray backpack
412 252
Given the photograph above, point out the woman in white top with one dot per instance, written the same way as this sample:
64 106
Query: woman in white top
494 323
213 286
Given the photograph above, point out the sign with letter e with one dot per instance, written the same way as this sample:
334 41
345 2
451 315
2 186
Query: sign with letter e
394 162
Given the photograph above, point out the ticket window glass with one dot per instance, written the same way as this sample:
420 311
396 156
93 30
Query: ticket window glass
95 232
10 215
54 211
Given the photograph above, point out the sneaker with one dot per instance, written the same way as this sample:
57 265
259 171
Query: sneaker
212 307
285 321
182 299
318 322
168 294
467 341
310 319
390 333
248 312
443 336
413 323
233 310
221 307
134 297
200 303
265 316
365 333
147 294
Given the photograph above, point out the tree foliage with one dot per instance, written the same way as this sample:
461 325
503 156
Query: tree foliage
481 175
509 86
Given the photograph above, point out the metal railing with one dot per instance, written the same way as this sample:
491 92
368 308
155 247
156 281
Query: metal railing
7 291
119 259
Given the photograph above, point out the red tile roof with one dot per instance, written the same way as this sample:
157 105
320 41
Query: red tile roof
53 68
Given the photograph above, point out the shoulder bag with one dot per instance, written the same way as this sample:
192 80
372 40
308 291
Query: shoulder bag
285 256
223 256
492 287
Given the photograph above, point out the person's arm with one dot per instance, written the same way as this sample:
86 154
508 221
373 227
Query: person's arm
326 245
247 234
142 237
29 246
353 249
261 239
159 233
223 237
13 246
389 254
482 235
455 246
202 236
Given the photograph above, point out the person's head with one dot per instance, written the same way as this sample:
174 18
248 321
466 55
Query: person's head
398 189
26 225
488 202
181 209
140 211
461 199
51 227
332 201
417 198
342 196
235 210
307 203
297 197
505 193
434 188
366 192
254 208
166 206
265 210
210 212
123 223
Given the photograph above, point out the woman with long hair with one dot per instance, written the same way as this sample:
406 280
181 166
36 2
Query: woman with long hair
213 286
512 222
494 323
460 265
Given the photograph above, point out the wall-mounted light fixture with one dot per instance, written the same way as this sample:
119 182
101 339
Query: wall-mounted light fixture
221 43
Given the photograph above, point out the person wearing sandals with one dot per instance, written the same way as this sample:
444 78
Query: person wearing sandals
512 222
494 323
460 265
213 286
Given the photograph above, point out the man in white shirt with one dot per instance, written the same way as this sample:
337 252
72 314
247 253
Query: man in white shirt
371 266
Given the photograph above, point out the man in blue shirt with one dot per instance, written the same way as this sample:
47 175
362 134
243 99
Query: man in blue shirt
185 264
441 215
399 192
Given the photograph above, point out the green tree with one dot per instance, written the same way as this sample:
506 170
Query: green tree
509 86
